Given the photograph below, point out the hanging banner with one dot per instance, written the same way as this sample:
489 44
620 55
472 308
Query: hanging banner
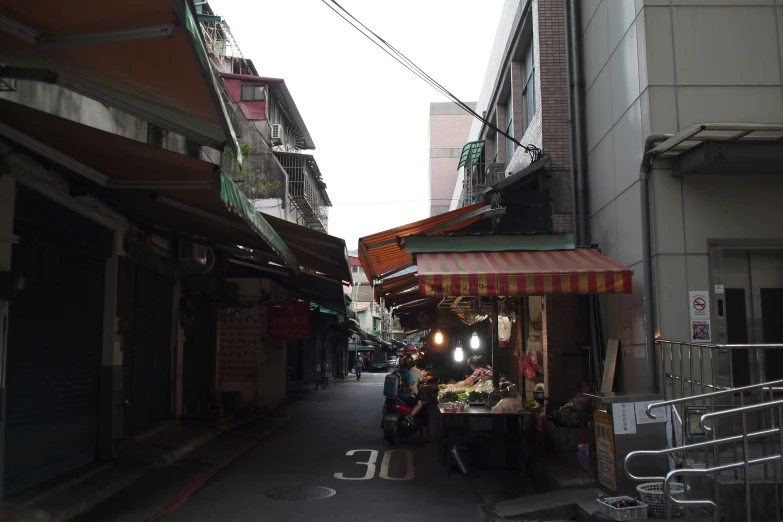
289 320
239 339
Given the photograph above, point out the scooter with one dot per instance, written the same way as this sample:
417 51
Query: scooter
395 423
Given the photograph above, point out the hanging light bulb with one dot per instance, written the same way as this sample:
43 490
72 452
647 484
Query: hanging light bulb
474 340
438 337
458 354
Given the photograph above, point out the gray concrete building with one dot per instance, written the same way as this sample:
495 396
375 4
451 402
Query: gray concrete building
711 74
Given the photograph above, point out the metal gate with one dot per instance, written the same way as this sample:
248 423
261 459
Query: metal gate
54 342
147 351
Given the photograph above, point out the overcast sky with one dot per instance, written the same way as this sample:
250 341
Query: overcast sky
367 115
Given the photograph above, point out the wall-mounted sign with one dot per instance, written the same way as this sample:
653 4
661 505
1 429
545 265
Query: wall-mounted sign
289 320
239 339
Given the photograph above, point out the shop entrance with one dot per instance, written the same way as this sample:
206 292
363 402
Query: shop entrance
55 340
753 282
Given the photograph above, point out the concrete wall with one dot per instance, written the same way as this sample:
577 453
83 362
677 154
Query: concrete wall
654 66
448 132
67 104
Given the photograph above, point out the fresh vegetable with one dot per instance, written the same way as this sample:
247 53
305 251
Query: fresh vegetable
569 416
448 396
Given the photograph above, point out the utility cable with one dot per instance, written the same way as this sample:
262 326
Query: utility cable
534 151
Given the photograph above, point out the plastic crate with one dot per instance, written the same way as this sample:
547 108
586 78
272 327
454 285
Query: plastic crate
627 513
652 495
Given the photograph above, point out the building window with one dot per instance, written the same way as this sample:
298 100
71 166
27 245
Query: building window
529 84
155 135
192 148
253 93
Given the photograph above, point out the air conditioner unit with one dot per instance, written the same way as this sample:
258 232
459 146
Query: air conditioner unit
277 133
190 252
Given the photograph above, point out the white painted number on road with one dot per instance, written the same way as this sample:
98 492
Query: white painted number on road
387 460
370 465
385 464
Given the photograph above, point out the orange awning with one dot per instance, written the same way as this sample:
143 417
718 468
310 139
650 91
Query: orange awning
580 271
395 284
381 256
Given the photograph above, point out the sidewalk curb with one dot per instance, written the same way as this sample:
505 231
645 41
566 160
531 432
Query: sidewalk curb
202 479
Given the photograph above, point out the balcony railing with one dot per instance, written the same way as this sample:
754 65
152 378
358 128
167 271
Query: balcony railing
478 178
306 189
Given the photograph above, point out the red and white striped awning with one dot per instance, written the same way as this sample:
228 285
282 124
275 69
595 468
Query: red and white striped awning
579 271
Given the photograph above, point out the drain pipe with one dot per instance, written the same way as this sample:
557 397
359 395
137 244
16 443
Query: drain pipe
649 318
578 98
569 97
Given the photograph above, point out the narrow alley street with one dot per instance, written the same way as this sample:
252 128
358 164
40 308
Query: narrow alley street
311 449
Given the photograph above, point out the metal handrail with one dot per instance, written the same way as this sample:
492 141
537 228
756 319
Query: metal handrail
736 411
682 400
682 449
725 346
706 471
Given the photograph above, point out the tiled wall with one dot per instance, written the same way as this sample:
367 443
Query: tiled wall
448 127
661 66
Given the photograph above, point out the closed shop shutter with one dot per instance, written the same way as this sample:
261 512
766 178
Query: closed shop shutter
147 351
54 343
197 356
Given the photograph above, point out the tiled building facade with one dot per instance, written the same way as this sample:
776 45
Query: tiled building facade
449 127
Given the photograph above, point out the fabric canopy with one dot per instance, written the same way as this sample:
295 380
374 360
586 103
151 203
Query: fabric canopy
153 185
380 254
145 57
579 271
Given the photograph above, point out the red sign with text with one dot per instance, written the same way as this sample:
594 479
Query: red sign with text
289 320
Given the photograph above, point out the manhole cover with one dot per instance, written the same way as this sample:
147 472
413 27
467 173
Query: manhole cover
300 493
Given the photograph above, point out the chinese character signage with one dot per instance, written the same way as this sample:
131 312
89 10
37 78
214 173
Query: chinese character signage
289 320
604 450
239 339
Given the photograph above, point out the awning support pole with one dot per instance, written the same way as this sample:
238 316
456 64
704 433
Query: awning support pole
495 357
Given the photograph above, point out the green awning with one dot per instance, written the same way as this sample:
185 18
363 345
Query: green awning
233 197
471 153
145 57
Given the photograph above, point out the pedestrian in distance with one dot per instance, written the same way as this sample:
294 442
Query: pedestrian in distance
358 366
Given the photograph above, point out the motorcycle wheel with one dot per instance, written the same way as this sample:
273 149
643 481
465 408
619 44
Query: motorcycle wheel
391 435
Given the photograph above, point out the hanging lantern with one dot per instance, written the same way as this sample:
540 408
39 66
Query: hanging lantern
438 337
458 355
474 341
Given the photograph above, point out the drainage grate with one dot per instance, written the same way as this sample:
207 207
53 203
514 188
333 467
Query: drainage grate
300 493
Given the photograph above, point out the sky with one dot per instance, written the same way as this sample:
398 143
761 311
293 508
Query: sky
366 113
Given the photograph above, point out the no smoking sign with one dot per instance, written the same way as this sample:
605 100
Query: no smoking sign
699 305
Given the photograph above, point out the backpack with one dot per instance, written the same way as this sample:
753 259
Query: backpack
392 384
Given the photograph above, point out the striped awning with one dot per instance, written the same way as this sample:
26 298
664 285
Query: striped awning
579 271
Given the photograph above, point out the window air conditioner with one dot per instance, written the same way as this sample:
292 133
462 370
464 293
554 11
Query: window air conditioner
277 132
190 252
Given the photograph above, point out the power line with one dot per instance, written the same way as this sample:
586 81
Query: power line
534 151
390 202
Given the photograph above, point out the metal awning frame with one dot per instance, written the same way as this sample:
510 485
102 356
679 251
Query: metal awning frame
696 134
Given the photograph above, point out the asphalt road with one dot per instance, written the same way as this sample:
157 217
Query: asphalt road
329 435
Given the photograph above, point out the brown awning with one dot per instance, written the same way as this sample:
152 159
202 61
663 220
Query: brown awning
155 186
145 57
381 255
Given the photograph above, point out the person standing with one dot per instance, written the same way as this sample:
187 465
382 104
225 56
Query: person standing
358 366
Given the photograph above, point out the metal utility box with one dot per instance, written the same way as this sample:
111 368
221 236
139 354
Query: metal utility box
622 426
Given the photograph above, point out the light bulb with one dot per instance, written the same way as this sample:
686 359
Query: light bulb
474 341
458 355
438 337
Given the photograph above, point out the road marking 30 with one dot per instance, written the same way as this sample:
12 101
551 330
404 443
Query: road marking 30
385 463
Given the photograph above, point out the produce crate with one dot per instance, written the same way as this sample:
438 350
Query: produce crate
638 512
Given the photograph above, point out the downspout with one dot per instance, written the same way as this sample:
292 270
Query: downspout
581 188
569 96
649 317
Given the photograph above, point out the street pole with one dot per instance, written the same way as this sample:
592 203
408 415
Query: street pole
495 358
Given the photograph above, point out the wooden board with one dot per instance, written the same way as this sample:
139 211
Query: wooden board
609 365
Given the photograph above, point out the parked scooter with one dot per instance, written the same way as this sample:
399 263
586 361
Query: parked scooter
395 423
